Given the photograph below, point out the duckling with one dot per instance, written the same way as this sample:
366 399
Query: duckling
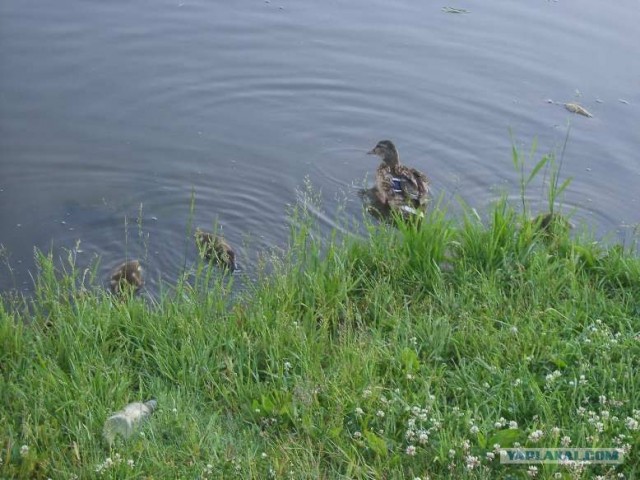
127 276
215 248
551 224
398 186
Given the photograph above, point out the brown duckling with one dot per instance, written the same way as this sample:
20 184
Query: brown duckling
551 224
215 249
399 187
127 276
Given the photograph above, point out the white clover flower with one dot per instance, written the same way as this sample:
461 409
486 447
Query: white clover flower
486 385
565 441
536 436
533 471
380 414
474 429
497 447
500 423
423 437
411 450
490 456
583 380
552 377
208 469
357 435
287 366
466 445
410 377
514 330
513 424
24 450
472 462
263 455
517 382
452 453
131 463
630 423
366 392
555 431
359 411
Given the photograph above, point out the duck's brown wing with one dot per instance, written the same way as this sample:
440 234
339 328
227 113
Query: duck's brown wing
421 183
413 185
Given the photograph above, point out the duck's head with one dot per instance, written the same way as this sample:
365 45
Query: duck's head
387 151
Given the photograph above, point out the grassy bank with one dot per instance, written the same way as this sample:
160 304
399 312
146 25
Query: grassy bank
410 353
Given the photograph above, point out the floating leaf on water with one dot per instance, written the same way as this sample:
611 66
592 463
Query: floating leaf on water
579 109
454 10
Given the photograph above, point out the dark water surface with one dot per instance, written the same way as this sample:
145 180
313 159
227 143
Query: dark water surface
109 106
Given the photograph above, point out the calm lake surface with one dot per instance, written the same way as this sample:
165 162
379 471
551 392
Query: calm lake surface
123 110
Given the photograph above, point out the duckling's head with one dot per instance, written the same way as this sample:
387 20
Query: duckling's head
387 151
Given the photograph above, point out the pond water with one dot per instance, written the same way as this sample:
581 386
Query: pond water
118 113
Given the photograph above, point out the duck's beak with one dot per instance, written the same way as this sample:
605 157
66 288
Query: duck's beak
371 152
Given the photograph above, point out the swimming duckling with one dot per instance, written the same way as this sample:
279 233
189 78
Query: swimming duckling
127 276
399 187
215 248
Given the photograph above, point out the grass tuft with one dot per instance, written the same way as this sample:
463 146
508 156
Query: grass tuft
409 353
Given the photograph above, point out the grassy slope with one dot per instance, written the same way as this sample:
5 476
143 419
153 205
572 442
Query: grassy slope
403 355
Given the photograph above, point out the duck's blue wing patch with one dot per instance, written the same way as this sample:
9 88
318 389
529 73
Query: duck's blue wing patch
396 183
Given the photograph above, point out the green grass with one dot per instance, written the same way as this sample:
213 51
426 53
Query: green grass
403 354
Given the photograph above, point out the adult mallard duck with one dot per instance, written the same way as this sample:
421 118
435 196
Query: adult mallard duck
215 248
399 187
127 276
